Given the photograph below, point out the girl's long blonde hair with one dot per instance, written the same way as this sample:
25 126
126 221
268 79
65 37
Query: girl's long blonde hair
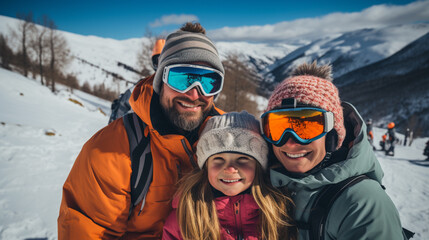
197 216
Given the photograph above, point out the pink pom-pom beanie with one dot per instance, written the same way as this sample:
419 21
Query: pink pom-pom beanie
307 87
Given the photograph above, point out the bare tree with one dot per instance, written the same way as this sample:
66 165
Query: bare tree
144 55
239 86
6 54
39 44
23 31
58 52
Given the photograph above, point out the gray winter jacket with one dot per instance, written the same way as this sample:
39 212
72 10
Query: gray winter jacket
364 210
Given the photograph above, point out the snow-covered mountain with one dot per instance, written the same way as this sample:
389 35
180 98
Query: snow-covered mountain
258 55
100 60
42 133
394 89
348 51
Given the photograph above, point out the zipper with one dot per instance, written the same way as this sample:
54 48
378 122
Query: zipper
238 220
190 154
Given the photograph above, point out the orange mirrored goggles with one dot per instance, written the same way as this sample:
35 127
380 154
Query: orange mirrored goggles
305 124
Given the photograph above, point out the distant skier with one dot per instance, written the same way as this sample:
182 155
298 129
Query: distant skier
383 142
410 138
369 132
121 106
407 136
391 139
426 151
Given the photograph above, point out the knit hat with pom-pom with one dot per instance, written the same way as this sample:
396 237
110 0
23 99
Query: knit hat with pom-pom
312 85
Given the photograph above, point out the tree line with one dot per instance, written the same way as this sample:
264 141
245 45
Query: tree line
43 53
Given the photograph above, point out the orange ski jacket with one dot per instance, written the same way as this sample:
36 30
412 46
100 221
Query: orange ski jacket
96 195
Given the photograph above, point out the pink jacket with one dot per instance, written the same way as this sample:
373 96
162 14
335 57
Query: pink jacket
238 217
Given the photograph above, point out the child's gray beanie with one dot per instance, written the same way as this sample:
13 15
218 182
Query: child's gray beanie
186 47
232 132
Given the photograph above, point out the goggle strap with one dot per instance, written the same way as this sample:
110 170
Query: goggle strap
329 121
289 103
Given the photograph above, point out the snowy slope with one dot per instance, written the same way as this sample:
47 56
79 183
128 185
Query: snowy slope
93 58
34 166
405 177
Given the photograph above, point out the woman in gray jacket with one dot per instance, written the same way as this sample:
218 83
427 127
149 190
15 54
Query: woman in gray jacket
319 141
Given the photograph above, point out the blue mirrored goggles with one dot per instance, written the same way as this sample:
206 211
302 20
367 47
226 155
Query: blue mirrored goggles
304 124
184 77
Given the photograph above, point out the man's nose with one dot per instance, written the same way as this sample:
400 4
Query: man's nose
193 94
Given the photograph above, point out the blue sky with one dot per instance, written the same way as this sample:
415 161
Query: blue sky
130 18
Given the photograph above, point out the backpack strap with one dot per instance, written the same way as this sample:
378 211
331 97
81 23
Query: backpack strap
323 203
141 159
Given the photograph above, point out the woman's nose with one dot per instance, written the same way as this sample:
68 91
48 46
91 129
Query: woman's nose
291 142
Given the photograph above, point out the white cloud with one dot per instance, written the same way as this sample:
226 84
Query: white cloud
312 28
173 19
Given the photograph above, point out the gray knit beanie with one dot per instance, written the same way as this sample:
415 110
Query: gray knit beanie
186 47
232 132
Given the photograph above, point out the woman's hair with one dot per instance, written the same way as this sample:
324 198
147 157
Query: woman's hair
197 216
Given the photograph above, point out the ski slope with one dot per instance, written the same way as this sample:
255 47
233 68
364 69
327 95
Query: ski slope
34 165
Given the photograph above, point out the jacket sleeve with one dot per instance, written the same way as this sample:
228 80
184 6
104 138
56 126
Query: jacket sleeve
96 198
171 229
364 211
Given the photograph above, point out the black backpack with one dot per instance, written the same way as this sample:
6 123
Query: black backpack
121 105
323 203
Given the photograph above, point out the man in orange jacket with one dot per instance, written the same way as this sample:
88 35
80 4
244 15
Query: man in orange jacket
173 104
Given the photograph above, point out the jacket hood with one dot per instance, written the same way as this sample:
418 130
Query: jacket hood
360 159
141 99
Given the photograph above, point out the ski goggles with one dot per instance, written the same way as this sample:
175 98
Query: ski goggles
184 77
304 124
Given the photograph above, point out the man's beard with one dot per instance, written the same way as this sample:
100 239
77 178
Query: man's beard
186 121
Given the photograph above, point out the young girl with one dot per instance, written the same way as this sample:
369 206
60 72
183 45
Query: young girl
229 198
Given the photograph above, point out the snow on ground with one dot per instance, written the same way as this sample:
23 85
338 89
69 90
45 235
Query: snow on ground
406 177
34 165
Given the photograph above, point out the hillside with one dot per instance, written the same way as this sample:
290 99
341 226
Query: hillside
394 89
100 60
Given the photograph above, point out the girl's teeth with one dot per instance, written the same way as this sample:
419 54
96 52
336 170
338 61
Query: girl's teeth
230 181
295 155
